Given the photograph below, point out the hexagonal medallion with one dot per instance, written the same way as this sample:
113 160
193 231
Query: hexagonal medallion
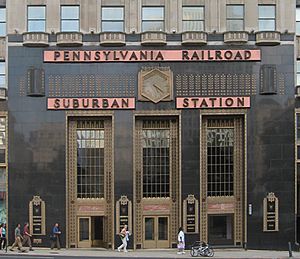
155 85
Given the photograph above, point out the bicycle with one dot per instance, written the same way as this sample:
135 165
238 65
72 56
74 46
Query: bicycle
200 248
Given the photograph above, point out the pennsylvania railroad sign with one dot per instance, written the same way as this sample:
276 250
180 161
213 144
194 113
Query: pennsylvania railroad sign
57 56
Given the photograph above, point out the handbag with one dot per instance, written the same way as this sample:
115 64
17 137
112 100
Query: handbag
121 235
180 245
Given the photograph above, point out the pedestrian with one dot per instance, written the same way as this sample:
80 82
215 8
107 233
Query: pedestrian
3 242
181 244
55 236
124 235
27 236
18 239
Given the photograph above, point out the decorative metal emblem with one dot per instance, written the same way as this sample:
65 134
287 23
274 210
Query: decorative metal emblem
156 84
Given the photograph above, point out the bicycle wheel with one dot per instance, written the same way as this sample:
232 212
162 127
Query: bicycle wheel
193 252
203 251
210 252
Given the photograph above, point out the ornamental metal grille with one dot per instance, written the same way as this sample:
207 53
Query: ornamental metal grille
156 163
220 143
90 163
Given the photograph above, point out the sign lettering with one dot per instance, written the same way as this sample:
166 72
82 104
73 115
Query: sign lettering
57 56
90 103
212 102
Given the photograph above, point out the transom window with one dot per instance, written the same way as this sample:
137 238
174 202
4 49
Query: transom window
220 146
153 19
36 18
156 162
298 20
193 18
235 17
90 163
70 18
2 22
112 19
266 18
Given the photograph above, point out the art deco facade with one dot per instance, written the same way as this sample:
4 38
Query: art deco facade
152 113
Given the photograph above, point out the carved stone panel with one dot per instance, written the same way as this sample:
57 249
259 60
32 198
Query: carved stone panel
156 84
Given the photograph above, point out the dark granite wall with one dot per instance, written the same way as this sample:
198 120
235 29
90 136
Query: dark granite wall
37 140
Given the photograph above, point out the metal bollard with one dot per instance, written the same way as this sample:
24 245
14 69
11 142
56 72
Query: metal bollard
290 250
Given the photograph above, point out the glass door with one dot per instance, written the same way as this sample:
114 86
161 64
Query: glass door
84 232
156 232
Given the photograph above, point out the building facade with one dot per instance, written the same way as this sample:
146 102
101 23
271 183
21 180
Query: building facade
155 114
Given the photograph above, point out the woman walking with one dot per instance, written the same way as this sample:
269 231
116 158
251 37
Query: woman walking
124 235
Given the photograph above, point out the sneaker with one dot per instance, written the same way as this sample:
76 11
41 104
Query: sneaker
179 253
183 252
125 251
119 250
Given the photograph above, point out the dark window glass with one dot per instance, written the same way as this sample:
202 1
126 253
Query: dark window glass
113 19
153 19
193 18
70 18
266 18
235 17
36 19
90 163
156 168
220 147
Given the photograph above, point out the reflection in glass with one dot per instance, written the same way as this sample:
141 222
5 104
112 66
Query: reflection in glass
266 11
266 18
112 13
2 22
267 25
36 18
112 19
83 229
70 18
235 17
193 18
149 228
298 21
153 13
162 228
153 19
235 11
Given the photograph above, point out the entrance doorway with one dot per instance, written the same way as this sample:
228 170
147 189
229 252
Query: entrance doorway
90 232
220 230
156 232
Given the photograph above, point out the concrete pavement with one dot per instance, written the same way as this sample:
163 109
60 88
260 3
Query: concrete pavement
146 253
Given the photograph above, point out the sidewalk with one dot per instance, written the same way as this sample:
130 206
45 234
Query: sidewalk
147 253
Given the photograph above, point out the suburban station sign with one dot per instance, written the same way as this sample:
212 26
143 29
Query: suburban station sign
90 103
57 56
